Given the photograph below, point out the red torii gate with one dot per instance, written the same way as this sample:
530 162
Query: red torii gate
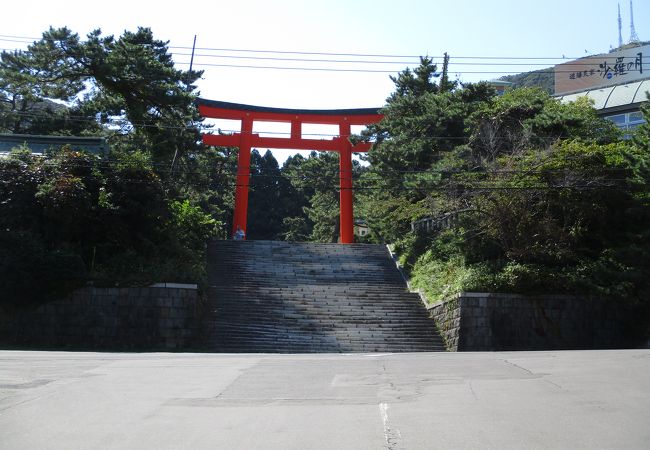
246 140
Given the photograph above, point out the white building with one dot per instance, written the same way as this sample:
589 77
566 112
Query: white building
617 82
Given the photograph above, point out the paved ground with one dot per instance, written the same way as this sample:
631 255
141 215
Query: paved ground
598 399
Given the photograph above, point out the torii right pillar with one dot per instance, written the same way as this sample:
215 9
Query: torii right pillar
345 177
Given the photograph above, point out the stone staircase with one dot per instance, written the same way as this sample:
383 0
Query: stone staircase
270 296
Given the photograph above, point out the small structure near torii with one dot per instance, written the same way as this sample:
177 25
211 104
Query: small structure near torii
245 140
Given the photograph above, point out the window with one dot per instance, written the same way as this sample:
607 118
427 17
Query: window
618 119
627 122
636 117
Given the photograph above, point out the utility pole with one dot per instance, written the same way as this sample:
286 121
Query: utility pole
194 47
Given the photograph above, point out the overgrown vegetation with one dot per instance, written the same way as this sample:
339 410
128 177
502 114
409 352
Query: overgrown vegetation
543 197
141 215
72 218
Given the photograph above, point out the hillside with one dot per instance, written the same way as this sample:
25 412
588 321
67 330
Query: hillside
543 78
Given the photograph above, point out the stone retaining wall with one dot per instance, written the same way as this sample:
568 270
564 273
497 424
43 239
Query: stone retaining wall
148 318
494 322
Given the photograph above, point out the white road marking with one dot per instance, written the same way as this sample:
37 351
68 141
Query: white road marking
389 435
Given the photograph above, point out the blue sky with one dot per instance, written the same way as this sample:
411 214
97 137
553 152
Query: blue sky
501 28
463 28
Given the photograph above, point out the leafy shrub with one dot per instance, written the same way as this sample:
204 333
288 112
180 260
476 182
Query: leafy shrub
71 218
29 267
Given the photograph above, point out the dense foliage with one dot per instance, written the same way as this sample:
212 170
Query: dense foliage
142 214
298 201
73 217
128 82
536 196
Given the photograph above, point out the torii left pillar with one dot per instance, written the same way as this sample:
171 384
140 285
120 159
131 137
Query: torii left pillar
243 176
246 140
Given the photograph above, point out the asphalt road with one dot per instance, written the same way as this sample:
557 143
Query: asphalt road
573 400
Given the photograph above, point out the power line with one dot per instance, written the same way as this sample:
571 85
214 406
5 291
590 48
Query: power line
200 127
361 175
17 37
459 186
320 53
126 123
372 55
488 61
306 69
334 69
212 128
271 58
465 187
360 61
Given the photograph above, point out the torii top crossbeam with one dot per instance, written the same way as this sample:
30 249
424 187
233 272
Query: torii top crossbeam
245 140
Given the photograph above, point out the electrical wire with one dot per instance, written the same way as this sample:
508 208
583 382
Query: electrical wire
378 58
358 61
29 40
334 69
234 167
208 127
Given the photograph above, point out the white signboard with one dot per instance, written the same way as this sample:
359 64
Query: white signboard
608 69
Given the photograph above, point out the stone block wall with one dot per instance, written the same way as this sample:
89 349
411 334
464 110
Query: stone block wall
447 316
92 318
495 322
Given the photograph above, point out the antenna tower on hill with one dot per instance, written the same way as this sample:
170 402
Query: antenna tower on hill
620 27
633 35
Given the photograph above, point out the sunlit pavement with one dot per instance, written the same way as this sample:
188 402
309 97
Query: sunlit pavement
576 399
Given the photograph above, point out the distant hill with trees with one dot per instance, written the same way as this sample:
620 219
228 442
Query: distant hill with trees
543 79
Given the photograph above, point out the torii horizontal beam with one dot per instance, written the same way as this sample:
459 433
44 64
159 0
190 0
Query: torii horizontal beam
238 111
245 140
323 145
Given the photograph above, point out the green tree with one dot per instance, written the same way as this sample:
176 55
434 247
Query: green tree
207 179
140 215
414 146
642 134
530 118
265 205
24 108
571 220
541 196
316 180
131 79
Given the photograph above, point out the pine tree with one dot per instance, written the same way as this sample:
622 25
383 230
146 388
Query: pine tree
131 79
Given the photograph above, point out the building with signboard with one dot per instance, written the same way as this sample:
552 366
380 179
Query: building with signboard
617 82
500 86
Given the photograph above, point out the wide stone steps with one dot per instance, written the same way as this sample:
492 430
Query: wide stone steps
279 332
332 328
281 297
332 344
295 305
